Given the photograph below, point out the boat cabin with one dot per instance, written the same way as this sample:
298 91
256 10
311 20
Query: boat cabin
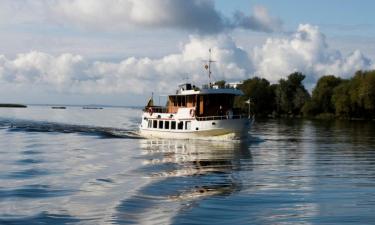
209 101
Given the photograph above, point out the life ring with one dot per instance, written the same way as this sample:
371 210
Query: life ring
150 111
192 112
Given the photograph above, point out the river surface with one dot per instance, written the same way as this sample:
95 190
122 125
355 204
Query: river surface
86 166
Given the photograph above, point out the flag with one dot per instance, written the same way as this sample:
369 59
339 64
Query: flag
150 102
248 101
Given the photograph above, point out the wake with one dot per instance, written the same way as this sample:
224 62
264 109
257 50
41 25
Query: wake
52 127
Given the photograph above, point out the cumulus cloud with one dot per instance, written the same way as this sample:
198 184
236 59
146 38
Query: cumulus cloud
74 74
306 51
190 15
198 16
259 20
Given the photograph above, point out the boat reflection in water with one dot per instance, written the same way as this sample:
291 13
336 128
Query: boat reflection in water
182 174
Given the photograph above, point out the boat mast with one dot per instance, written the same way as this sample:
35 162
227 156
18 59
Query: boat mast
208 67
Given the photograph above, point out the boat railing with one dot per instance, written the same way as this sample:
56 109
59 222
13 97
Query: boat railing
215 86
156 109
225 117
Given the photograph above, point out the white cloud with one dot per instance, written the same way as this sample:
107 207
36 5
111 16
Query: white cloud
199 16
259 20
193 15
73 74
21 12
306 51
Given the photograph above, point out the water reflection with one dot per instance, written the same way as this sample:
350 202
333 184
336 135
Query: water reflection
182 173
298 172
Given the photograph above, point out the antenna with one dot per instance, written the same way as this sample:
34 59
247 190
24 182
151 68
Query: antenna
208 67
185 78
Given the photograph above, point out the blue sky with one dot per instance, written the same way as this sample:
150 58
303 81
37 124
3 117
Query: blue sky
119 51
319 12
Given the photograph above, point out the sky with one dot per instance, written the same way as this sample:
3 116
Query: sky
117 52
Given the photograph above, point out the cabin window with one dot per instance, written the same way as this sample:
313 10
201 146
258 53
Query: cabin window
187 125
190 101
160 124
174 101
180 125
181 101
173 125
149 125
155 124
166 125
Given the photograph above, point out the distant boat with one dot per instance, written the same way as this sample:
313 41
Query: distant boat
58 107
195 113
91 107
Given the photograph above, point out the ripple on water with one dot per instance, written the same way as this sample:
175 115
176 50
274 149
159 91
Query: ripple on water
33 191
183 173
105 180
295 172
31 152
28 173
28 161
38 219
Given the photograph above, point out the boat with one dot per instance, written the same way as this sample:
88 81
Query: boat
91 107
196 113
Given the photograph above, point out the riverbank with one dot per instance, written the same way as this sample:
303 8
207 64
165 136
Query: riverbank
6 105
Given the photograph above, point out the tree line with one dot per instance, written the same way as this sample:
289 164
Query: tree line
332 97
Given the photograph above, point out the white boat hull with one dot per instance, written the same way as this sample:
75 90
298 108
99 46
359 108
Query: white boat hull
210 129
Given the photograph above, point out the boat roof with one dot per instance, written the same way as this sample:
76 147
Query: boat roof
206 90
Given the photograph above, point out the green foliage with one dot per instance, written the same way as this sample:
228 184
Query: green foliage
366 91
362 94
321 99
291 95
220 83
261 95
331 97
341 100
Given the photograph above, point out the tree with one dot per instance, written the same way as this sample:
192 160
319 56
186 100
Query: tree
362 93
341 100
366 92
261 95
321 99
220 83
291 95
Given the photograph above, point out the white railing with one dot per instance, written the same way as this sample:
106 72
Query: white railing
226 117
155 109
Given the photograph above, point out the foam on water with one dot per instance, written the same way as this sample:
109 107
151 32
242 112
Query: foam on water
41 126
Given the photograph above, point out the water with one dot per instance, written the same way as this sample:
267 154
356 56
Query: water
79 166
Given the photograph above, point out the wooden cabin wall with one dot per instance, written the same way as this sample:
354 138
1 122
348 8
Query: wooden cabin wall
181 101
206 105
201 105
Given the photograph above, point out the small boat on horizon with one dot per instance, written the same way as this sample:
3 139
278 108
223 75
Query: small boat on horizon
58 107
196 113
91 107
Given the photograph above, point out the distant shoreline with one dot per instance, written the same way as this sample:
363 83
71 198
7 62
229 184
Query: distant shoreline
7 105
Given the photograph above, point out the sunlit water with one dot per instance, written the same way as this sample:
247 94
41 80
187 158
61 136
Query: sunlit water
79 166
